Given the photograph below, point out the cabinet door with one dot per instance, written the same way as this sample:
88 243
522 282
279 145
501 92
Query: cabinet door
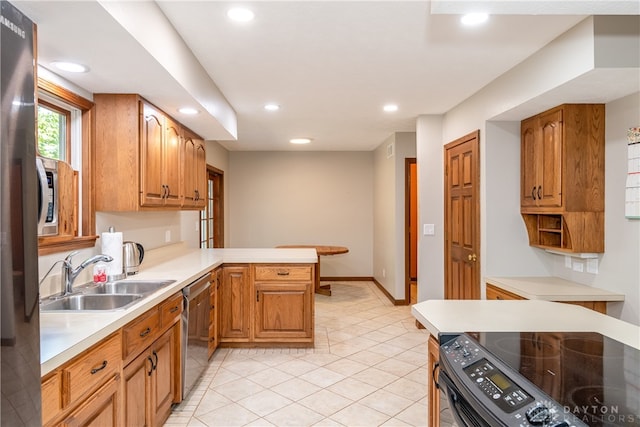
162 379
550 159
283 310
201 175
235 303
188 176
151 161
528 163
213 311
137 390
102 409
172 167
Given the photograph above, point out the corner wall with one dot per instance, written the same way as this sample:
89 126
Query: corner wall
389 211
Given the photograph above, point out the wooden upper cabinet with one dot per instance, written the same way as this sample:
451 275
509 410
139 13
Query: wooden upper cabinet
172 163
151 161
562 178
542 160
139 156
194 185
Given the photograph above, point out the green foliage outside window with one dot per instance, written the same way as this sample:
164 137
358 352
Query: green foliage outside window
51 133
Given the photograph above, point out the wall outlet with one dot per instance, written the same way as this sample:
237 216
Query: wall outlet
592 266
167 236
429 229
578 266
567 261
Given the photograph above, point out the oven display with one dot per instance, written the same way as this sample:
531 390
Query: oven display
494 384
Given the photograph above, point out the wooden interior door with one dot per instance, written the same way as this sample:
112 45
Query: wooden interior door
462 218
411 230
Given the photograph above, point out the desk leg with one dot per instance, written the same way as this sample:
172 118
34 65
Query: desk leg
322 290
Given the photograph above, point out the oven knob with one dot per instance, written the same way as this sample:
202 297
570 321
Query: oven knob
538 415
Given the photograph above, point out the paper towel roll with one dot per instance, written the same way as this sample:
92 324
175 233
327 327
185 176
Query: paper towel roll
112 246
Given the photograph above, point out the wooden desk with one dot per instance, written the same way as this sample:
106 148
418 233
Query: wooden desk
322 250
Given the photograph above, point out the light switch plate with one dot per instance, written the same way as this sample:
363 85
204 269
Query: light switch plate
429 229
567 261
578 266
592 266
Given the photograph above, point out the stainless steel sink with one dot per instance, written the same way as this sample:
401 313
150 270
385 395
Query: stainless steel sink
90 302
129 287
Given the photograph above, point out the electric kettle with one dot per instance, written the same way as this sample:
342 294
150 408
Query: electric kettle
132 255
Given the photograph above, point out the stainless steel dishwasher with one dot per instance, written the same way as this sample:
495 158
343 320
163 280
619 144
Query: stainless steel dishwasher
195 331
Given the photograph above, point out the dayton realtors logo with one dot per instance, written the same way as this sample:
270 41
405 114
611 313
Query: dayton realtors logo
603 415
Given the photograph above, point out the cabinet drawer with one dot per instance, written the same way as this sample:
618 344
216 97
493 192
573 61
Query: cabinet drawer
170 310
93 368
500 294
140 333
283 272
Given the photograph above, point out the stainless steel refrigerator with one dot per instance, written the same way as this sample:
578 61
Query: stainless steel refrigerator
19 311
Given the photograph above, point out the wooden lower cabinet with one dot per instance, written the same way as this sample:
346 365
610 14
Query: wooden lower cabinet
149 388
284 311
433 393
214 336
235 303
260 304
102 409
495 293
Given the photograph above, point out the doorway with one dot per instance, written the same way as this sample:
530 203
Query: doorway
212 216
411 231
462 218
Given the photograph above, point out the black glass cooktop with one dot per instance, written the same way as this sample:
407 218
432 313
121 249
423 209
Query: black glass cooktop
592 376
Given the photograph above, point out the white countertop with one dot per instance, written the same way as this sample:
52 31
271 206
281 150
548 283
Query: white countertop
520 316
552 289
65 335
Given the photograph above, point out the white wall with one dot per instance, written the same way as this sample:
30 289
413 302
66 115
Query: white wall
324 198
389 211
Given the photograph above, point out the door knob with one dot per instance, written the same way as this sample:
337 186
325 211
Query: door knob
472 257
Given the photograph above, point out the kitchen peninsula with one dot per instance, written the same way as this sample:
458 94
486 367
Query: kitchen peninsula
94 362
521 316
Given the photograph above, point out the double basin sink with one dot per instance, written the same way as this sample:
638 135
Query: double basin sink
108 296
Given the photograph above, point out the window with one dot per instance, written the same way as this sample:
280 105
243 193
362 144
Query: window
64 133
212 216
54 132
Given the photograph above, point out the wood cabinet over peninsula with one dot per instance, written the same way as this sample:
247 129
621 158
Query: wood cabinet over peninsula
562 178
144 159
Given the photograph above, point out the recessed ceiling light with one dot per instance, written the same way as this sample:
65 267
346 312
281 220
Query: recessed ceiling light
471 19
70 67
188 110
300 140
271 107
240 14
389 108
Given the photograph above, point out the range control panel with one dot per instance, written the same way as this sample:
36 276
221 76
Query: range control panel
483 379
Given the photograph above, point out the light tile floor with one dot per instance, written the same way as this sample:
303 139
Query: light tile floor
368 368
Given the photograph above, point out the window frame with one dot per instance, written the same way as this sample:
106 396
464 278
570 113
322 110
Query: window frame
67 115
87 237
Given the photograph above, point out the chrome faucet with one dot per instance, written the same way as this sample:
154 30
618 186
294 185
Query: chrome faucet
69 273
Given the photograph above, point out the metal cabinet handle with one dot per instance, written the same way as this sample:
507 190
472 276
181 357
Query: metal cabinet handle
155 365
539 192
472 257
152 367
96 370
283 273
145 332
533 192
168 191
174 309
257 296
